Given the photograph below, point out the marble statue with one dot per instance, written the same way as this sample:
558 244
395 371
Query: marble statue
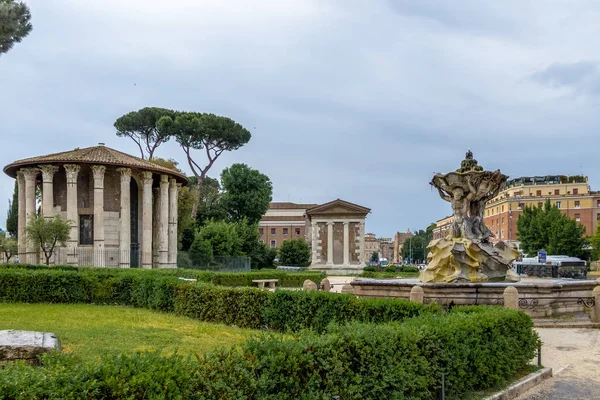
466 254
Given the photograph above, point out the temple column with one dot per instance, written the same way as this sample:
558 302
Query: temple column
48 172
173 211
72 171
313 242
155 223
98 171
125 220
361 226
330 243
30 178
22 220
346 243
147 219
163 223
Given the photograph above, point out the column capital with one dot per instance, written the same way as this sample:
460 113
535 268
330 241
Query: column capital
20 176
48 172
346 223
330 223
30 173
72 171
98 171
164 181
146 177
125 174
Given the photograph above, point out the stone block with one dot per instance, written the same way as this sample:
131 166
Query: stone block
416 294
309 285
326 285
26 345
511 297
347 289
596 308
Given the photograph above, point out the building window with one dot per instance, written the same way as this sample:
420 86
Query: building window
273 244
262 241
556 192
272 231
597 203
538 193
577 204
502 234
575 191
297 231
502 208
492 222
558 204
502 220
520 206
261 230
577 217
86 229
285 231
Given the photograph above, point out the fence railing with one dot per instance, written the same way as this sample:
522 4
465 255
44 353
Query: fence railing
219 264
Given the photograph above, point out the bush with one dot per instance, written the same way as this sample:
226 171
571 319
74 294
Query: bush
408 268
390 268
370 268
476 348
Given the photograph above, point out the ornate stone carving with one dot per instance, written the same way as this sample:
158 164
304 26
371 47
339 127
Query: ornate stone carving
125 174
48 172
146 178
466 253
30 174
72 171
98 171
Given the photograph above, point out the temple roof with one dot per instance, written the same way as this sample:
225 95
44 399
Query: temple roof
99 155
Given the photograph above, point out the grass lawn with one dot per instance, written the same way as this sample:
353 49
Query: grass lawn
90 331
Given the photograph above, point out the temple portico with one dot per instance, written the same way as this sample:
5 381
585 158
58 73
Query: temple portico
337 236
103 192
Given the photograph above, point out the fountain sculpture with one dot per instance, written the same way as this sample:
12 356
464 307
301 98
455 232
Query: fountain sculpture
466 254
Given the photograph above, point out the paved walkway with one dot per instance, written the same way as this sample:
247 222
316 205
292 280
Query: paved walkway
574 356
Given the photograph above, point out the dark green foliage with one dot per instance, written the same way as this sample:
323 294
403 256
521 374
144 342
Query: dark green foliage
390 268
201 252
545 227
294 252
15 23
595 243
246 193
408 268
222 236
476 348
374 257
140 126
370 268
297 310
415 246
12 216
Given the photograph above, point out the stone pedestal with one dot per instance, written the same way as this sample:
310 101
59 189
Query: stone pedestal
26 345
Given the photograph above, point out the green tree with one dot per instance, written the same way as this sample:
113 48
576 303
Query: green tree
209 202
8 246
15 23
246 193
266 256
46 233
595 243
140 126
545 227
374 257
295 252
415 247
209 133
250 244
201 253
12 217
223 238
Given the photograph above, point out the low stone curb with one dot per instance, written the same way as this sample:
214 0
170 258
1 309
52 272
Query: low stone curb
523 385
588 325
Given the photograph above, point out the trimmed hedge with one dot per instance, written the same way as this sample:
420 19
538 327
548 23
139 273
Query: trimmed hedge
286 279
476 350
281 310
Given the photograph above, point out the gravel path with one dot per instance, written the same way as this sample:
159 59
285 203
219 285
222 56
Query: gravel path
574 356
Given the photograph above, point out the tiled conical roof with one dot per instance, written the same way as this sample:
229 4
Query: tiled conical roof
100 155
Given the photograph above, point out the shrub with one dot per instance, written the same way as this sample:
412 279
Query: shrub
370 268
295 252
390 268
476 348
408 268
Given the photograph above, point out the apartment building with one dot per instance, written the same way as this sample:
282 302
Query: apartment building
571 194
282 221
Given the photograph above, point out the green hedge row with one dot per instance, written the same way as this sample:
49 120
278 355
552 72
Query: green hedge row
281 310
286 279
475 350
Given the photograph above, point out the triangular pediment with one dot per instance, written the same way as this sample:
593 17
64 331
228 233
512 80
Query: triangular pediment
338 206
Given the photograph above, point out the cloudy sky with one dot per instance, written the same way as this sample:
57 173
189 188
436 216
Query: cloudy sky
355 99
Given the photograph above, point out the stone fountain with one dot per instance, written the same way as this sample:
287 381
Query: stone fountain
466 254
